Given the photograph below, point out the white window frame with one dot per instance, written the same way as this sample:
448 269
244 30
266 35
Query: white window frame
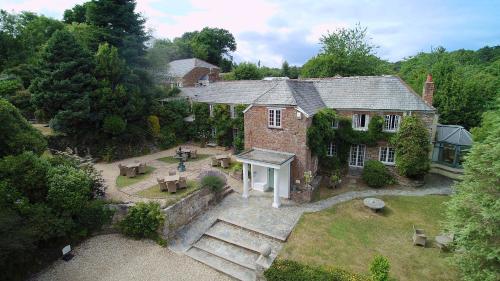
357 155
383 155
274 117
178 84
335 124
211 108
391 122
332 150
356 121
232 111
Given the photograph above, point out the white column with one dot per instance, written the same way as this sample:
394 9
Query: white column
276 200
245 180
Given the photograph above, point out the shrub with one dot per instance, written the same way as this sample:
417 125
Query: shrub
69 188
154 125
412 148
288 270
379 268
376 174
166 139
142 221
213 182
114 125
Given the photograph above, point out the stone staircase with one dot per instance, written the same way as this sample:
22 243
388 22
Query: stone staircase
234 250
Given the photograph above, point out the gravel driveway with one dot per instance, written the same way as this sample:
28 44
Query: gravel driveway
114 257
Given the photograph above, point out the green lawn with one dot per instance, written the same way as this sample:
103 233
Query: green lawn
349 236
172 160
122 181
154 192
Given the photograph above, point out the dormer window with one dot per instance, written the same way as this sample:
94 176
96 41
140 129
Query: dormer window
391 123
360 122
274 118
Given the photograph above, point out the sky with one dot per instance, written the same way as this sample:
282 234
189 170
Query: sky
272 31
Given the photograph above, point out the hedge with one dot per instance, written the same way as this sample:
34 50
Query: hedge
288 270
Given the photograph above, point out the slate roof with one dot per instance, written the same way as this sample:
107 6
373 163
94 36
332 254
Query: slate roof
453 134
356 93
179 68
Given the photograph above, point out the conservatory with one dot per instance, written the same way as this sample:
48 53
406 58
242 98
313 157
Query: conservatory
451 145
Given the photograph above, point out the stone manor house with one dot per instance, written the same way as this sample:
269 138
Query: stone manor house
279 113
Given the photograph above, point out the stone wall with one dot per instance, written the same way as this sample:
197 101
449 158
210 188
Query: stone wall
182 212
291 138
305 194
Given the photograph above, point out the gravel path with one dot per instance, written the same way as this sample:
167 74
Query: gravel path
114 257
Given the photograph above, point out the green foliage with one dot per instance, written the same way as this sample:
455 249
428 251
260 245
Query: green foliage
473 213
154 125
68 189
223 124
345 52
143 221
466 82
412 147
201 124
114 125
379 268
247 71
321 133
376 174
213 182
289 270
17 134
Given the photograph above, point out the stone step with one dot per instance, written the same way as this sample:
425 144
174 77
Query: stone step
234 270
230 252
257 230
242 237
228 190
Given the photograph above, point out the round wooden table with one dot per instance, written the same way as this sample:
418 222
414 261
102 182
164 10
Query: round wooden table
374 204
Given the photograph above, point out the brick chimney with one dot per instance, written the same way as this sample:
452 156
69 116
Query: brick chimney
428 92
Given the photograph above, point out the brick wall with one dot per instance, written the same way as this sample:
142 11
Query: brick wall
291 138
191 79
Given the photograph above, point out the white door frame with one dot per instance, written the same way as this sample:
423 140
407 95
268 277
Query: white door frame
357 155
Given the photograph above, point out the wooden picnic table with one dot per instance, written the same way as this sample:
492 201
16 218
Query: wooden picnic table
220 157
173 178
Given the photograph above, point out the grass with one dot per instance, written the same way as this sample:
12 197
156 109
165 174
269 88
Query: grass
123 181
349 236
154 192
46 131
172 160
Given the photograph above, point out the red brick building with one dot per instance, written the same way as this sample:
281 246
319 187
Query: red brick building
280 112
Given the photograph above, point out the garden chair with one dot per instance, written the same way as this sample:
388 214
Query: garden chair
185 157
171 186
162 184
172 172
224 163
194 154
123 170
419 238
131 172
182 182
142 168
214 162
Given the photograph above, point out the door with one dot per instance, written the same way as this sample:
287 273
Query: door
357 155
270 177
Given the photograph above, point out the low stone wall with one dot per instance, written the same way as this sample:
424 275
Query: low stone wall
404 181
305 194
182 212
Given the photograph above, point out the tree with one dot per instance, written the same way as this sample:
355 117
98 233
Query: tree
212 44
285 69
412 147
345 52
77 14
247 71
16 134
473 213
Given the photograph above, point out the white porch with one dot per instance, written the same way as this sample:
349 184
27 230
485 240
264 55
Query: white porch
264 170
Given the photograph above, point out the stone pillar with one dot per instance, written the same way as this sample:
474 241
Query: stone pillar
276 200
245 180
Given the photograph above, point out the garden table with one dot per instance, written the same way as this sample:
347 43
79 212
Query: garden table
220 157
174 178
374 204
133 165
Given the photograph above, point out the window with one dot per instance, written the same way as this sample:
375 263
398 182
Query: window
360 121
213 133
211 107
332 150
335 124
232 111
391 123
179 84
357 155
274 118
387 155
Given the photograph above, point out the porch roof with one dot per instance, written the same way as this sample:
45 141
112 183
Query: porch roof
265 156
